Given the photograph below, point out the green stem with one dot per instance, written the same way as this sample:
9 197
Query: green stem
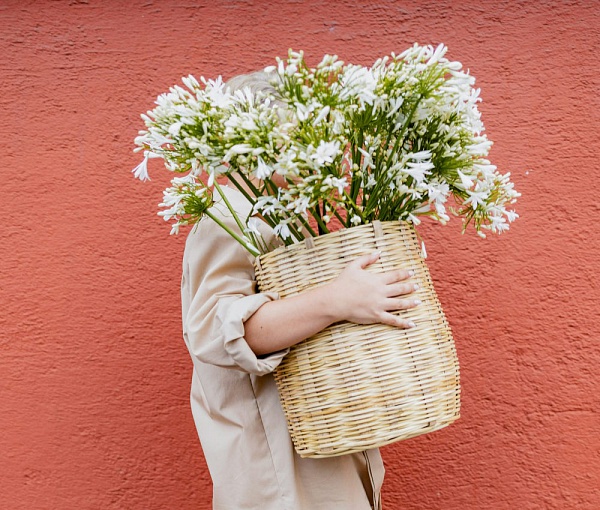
270 221
307 226
337 215
355 207
328 207
293 228
303 220
248 246
251 185
404 127
230 207
241 189
356 157
257 193
258 242
322 227
316 212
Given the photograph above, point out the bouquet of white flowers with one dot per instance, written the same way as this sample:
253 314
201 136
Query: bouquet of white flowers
395 141
364 154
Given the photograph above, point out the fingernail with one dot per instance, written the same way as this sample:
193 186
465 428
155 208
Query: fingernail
417 301
411 272
416 286
411 324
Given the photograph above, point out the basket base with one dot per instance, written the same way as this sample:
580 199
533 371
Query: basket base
324 451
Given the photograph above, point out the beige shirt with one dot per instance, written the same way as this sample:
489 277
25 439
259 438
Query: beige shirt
234 399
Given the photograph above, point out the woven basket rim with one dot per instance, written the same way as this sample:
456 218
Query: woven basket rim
313 242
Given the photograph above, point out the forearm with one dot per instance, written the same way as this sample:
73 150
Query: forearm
285 322
355 295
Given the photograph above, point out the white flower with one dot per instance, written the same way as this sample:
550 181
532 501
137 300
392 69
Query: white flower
299 205
240 148
467 182
291 69
498 224
355 220
335 182
287 164
215 90
476 198
437 54
151 138
371 181
438 192
303 111
211 177
413 219
263 171
482 148
360 82
268 205
175 229
322 114
248 123
252 226
141 171
367 159
418 156
418 171
326 152
282 230
174 204
174 128
190 82
395 104
484 168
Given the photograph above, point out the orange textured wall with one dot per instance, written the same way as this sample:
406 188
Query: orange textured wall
94 375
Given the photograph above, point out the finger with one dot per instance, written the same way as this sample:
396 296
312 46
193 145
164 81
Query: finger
397 275
401 304
392 320
400 289
367 260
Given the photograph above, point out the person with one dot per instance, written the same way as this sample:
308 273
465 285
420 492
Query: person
236 338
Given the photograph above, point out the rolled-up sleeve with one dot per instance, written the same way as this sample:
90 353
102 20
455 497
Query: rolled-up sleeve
218 295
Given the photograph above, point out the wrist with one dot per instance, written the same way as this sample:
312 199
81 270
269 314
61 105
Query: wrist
327 299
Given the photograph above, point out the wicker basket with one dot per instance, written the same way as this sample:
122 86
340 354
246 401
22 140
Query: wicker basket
353 387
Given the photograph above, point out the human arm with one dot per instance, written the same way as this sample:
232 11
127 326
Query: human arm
356 295
218 294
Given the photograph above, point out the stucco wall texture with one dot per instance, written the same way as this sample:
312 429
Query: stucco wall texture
94 374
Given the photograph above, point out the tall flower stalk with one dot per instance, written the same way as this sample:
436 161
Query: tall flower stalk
398 140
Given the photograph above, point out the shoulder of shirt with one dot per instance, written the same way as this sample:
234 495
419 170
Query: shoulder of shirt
237 200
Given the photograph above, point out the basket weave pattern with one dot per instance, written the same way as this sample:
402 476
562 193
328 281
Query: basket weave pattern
353 387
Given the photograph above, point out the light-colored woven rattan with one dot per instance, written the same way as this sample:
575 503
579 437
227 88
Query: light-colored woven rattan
354 387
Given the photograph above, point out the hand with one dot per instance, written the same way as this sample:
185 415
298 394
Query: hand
363 297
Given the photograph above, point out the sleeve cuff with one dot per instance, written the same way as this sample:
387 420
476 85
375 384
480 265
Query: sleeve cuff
231 318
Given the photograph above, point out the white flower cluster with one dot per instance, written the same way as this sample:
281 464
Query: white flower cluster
395 141
185 201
